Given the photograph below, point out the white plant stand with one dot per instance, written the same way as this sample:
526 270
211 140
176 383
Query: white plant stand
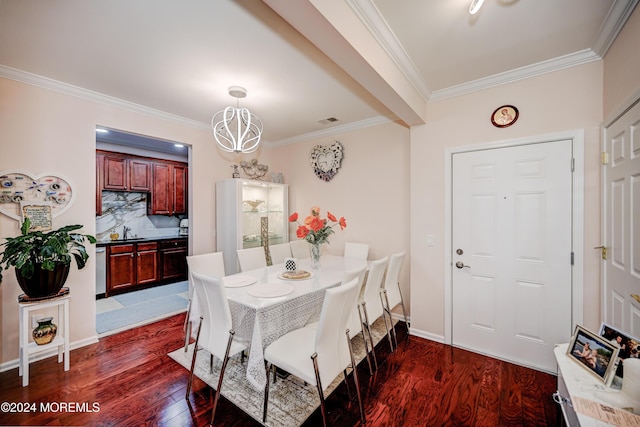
61 341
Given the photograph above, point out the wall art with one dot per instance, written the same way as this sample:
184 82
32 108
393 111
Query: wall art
326 160
17 187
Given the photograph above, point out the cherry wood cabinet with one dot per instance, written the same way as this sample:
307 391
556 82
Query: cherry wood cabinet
169 192
137 265
131 265
120 268
173 254
165 180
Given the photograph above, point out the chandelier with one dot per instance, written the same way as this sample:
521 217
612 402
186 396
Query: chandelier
237 129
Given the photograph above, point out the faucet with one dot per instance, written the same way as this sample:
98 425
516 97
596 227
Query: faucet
125 230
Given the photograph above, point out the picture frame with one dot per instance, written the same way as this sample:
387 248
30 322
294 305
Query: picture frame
629 345
594 353
504 116
39 213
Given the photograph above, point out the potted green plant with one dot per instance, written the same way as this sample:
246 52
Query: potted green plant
42 259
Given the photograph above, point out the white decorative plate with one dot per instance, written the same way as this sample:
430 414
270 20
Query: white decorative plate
238 281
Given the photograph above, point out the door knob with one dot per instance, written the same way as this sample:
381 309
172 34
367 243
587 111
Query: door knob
460 264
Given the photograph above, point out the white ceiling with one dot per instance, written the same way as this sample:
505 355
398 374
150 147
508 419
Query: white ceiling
180 57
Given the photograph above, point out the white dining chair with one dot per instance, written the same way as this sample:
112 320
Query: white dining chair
390 292
251 258
318 355
371 304
215 332
355 322
300 249
356 250
210 264
279 252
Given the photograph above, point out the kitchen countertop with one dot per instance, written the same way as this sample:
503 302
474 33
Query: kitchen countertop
139 240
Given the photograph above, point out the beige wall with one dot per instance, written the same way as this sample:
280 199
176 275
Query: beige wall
371 189
622 68
556 102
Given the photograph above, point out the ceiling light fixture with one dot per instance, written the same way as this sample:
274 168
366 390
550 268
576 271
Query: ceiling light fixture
475 6
237 129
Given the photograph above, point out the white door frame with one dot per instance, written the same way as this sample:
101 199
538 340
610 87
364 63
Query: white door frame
577 240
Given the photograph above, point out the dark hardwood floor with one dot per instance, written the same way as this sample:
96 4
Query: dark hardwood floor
127 379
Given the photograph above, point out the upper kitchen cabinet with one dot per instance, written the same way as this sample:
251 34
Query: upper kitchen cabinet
123 173
165 180
240 206
169 189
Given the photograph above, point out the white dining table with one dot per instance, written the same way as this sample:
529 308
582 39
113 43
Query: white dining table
264 306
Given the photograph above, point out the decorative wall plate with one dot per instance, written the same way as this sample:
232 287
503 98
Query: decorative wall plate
504 116
326 160
17 187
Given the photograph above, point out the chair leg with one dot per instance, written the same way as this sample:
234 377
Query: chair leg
366 325
314 358
354 369
187 327
224 367
384 299
364 339
266 396
193 360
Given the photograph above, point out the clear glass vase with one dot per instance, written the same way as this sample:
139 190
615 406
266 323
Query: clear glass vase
315 256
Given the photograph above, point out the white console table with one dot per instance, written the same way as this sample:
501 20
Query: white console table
61 341
575 382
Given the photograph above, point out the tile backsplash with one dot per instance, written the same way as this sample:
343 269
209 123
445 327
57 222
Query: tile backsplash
130 209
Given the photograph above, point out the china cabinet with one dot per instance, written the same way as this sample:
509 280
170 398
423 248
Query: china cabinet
240 206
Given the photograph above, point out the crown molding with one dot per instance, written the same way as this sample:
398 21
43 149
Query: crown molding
336 130
89 95
380 30
373 20
555 64
615 20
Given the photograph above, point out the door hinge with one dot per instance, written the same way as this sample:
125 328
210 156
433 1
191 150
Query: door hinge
573 164
572 258
604 158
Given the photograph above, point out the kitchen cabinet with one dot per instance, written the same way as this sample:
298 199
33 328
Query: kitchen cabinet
173 254
240 206
125 173
130 265
169 189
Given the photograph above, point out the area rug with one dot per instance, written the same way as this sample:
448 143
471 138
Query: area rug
291 401
145 306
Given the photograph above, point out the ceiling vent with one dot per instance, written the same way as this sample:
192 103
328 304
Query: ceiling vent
327 121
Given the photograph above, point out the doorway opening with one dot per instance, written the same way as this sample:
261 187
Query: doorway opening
142 211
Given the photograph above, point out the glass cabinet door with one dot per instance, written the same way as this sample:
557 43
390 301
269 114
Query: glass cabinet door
262 200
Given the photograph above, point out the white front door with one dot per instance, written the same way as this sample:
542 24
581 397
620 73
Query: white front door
511 251
621 223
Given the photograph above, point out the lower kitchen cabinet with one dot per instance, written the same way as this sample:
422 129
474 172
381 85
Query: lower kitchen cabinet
132 266
173 254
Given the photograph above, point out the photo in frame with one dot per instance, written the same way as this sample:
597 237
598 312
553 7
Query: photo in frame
594 353
629 345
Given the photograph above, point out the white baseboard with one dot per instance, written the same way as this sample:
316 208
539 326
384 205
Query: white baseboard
426 335
12 364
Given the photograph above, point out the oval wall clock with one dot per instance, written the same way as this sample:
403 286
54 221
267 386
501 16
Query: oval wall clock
326 160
